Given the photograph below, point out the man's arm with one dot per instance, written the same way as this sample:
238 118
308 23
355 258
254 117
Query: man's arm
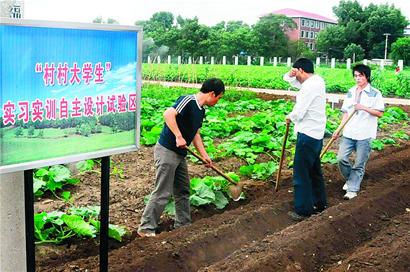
376 109
290 77
199 145
170 115
373 112
344 119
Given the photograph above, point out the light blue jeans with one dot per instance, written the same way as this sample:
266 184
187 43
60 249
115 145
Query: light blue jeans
353 174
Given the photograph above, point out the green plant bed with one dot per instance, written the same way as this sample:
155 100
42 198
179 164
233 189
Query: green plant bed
338 80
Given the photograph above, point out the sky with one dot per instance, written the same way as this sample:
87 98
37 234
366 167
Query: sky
209 12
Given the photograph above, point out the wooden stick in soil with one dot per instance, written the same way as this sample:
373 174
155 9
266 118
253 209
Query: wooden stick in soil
235 188
338 130
282 156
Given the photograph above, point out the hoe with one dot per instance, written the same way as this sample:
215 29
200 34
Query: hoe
337 133
235 188
282 156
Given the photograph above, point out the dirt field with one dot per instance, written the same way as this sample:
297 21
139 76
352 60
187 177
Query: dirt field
368 233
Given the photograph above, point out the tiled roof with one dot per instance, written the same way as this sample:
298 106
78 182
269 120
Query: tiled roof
294 13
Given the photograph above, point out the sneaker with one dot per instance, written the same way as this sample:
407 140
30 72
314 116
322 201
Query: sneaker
317 210
345 187
143 233
296 217
350 195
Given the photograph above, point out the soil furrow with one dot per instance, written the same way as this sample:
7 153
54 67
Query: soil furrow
258 235
390 248
308 245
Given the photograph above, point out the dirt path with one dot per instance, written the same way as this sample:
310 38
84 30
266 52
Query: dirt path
331 97
257 235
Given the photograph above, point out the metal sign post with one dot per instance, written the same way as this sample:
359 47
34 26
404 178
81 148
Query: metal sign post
104 212
29 220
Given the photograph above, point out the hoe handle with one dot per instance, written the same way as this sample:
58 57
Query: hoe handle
212 166
337 133
282 156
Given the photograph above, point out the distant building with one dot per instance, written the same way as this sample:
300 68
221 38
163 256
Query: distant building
12 8
308 25
407 31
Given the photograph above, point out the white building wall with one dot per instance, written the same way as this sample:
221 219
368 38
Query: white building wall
407 31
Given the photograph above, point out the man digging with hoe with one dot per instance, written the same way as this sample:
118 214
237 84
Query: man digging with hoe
182 124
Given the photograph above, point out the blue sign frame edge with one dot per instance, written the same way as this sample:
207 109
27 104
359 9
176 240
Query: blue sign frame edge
95 154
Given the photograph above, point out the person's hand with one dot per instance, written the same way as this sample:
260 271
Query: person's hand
335 134
293 72
207 159
180 141
288 120
359 107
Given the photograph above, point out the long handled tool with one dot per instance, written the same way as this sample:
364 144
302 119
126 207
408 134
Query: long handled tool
282 156
337 132
234 188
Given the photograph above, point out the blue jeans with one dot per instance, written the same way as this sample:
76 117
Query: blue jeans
353 174
308 182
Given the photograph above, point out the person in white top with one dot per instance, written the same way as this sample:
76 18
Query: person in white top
309 117
360 130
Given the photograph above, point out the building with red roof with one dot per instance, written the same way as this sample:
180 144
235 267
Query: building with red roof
308 25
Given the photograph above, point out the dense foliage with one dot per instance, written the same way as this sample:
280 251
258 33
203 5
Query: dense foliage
165 35
401 50
364 27
250 128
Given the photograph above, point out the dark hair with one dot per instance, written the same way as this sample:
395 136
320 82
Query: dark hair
363 70
213 85
304 64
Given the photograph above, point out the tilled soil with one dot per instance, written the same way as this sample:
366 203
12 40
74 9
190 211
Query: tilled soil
368 233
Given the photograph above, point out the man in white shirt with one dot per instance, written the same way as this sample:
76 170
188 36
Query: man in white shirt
360 130
309 117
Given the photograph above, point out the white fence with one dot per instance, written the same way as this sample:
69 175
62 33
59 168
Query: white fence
262 61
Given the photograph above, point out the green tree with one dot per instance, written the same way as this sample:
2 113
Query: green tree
230 39
383 19
297 49
354 52
270 36
148 47
163 20
85 129
332 40
30 131
366 26
100 20
191 38
354 31
18 131
348 11
160 34
400 50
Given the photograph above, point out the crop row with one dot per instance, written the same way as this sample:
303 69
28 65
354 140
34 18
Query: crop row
337 80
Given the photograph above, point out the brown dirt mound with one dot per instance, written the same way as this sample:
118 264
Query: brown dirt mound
388 251
257 235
